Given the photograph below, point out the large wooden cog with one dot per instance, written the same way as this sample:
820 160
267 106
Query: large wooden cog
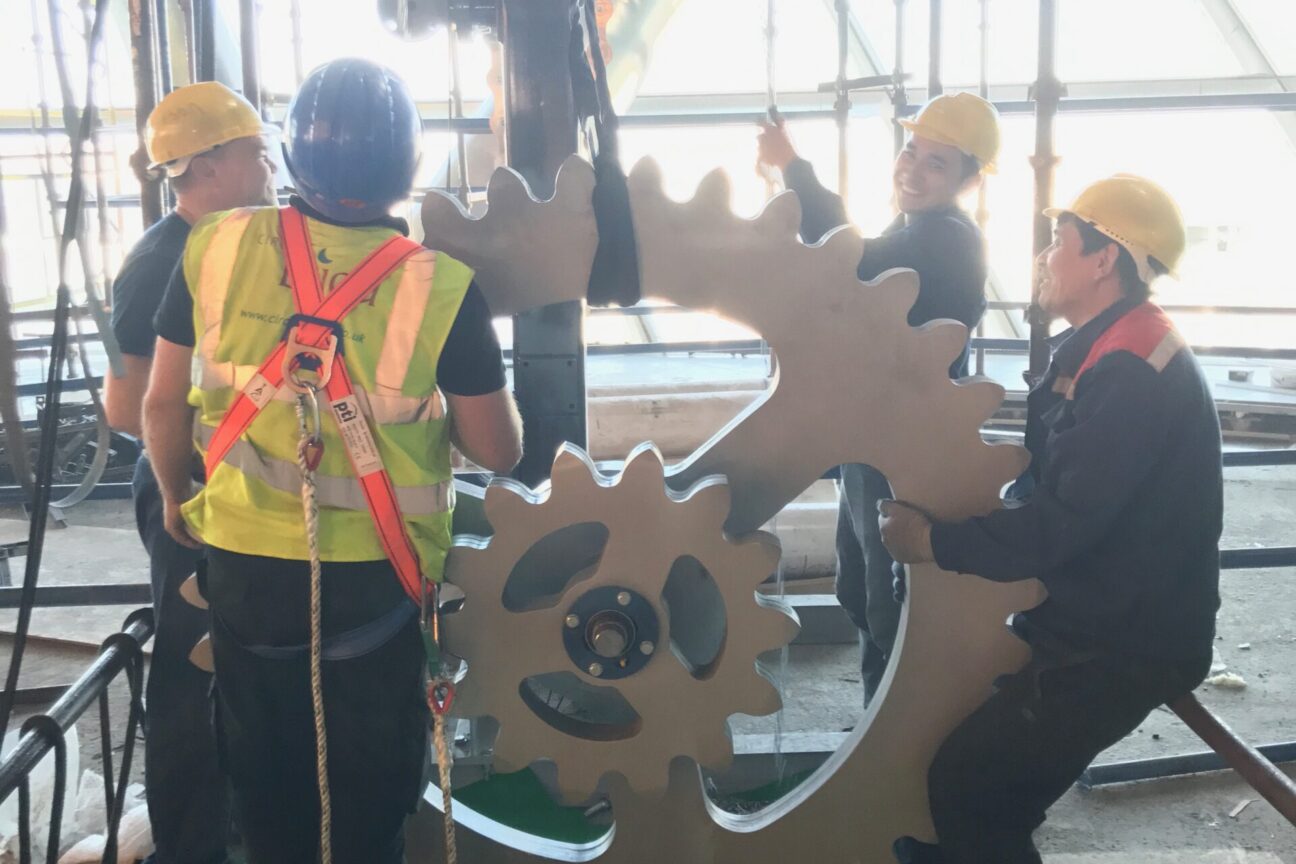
854 383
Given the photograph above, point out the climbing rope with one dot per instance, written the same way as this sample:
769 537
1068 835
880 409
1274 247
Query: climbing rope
440 696
443 768
309 449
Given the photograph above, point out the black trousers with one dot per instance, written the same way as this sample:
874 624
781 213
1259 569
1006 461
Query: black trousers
864 574
1006 764
185 789
375 713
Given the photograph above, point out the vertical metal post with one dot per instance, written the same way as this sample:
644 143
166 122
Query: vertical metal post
1046 92
294 12
188 8
548 343
842 105
983 209
249 48
898 97
934 51
142 27
160 25
204 24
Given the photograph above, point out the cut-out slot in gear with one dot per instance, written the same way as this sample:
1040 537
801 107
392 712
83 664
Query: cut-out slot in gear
609 628
552 564
581 710
698 624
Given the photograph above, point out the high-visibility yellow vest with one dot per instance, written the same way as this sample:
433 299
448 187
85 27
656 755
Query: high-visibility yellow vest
252 502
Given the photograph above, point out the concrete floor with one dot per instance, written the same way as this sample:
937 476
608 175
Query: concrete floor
1178 820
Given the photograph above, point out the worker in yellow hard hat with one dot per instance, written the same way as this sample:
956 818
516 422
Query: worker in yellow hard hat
207 140
1122 525
953 141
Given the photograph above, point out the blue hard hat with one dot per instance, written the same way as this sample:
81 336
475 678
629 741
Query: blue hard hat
352 140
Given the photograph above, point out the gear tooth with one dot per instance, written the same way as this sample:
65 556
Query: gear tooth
646 176
578 778
715 192
982 398
714 746
946 340
439 208
501 184
846 246
502 496
574 183
644 469
894 294
572 465
762 697
781 216
759 553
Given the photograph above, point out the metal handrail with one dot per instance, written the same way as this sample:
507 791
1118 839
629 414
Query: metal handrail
42 733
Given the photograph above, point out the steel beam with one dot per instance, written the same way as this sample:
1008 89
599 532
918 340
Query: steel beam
125 594
548 343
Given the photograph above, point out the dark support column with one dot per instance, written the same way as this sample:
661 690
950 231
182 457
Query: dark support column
142 34
160 24
548 343
934 88
248 46
204 25
1047 92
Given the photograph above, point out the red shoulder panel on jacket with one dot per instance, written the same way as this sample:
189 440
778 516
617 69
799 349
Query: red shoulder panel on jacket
1145 331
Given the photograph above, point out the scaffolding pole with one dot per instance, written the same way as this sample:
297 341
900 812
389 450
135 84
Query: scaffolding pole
1046 93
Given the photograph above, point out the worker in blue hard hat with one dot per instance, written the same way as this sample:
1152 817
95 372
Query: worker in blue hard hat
953 141
334 363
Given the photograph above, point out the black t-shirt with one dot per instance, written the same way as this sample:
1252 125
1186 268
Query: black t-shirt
471 363
141 282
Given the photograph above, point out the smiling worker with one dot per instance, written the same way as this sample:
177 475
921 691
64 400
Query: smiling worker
953 142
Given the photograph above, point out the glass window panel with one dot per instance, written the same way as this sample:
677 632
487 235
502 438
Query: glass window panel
1149 39
1011 49
354 30
1116 40
726 39
1238 231
1273 23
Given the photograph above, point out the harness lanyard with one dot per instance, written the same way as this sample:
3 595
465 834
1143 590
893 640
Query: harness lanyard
312 341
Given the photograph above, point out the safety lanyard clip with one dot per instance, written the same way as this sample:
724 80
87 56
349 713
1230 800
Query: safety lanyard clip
302 359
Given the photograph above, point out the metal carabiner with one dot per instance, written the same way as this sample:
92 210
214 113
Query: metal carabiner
311 428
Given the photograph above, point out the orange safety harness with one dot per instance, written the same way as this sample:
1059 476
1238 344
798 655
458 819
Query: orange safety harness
313 341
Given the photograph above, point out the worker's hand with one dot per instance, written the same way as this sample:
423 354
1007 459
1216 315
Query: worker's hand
176 526
906 531
773 146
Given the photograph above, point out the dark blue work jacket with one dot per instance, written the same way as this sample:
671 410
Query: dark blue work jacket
1123 523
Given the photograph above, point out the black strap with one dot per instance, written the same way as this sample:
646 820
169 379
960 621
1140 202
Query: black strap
614 277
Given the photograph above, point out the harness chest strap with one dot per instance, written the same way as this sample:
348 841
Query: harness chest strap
362 449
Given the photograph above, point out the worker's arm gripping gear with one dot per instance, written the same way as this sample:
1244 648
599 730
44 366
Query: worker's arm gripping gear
316 331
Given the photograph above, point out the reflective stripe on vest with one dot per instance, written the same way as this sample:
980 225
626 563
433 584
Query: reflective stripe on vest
343 493
214 279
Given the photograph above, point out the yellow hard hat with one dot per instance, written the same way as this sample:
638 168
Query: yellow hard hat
1136 213
194 119
962 120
